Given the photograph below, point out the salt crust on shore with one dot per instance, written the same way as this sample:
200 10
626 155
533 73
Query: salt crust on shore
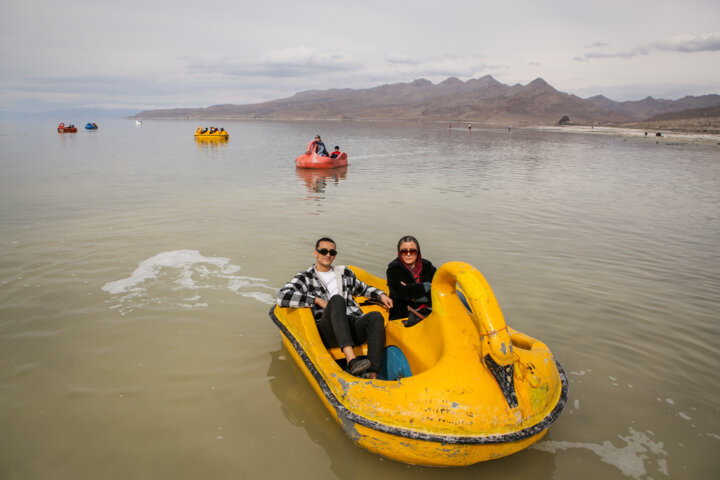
667 137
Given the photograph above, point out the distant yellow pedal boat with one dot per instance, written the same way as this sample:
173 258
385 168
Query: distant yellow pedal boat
211 133
478 390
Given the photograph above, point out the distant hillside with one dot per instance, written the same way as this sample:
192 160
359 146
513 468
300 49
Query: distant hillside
650 107
707 112
482 100
697 120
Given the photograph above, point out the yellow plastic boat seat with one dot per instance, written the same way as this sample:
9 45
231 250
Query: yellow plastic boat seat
360 350
337 354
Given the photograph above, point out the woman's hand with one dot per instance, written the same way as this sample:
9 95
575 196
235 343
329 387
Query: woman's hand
320 302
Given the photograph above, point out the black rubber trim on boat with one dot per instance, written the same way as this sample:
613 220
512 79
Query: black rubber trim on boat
343 412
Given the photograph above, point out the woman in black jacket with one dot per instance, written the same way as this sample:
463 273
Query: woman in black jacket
409 277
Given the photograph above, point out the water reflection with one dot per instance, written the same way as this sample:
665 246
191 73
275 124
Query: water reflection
302 408
210 143
67 137
317 179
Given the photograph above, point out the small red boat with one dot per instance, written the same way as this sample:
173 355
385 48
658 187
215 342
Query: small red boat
313 160
67 129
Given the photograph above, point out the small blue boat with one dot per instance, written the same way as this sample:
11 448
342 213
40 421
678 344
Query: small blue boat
91 126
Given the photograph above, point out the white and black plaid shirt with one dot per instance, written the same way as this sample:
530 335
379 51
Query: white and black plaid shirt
302 290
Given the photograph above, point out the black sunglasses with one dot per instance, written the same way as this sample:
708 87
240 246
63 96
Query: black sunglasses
325 251
411 251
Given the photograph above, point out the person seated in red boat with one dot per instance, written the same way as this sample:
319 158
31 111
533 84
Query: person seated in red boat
336 153
320 150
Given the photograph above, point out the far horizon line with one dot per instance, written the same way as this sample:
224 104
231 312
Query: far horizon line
135 110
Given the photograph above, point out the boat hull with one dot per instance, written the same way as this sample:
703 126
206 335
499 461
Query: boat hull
451 412
66 129
217 135
313 160
211 139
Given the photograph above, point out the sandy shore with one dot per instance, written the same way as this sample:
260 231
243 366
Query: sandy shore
667 137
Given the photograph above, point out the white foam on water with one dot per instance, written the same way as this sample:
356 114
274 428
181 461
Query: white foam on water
187 260
260 297
630 459
196 305
185 270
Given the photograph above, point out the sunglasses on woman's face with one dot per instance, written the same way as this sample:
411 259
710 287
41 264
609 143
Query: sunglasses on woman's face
325 251
408 251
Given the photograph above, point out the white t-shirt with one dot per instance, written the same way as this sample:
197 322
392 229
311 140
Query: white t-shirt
330 280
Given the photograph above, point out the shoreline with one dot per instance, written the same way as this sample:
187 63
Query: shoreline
667 136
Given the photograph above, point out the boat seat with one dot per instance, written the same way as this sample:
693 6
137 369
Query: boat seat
337 354
361 350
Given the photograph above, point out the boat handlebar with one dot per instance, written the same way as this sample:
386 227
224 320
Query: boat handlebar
486 313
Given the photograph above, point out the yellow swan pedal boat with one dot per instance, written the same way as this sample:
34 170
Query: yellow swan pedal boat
479 390
203 134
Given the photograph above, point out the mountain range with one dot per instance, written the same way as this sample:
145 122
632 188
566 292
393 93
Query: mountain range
481 100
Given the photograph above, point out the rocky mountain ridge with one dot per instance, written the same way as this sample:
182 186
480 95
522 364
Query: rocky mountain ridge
481 100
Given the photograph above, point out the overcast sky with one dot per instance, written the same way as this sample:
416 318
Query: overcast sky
177 53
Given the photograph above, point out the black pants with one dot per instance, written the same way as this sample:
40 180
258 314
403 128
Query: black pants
339 330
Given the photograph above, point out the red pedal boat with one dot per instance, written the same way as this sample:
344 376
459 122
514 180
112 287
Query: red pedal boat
67 129
313 160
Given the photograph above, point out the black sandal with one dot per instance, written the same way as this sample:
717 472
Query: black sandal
358 365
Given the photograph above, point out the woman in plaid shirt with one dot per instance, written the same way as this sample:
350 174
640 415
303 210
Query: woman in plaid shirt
328 291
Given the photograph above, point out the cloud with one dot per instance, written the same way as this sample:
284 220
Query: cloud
449 65
401 59
596 55
290 62
707 42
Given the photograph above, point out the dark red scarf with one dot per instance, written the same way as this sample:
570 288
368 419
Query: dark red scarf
416 269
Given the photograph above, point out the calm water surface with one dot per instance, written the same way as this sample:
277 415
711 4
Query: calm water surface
137 268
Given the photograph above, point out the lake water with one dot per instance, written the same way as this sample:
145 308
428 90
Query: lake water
137 269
